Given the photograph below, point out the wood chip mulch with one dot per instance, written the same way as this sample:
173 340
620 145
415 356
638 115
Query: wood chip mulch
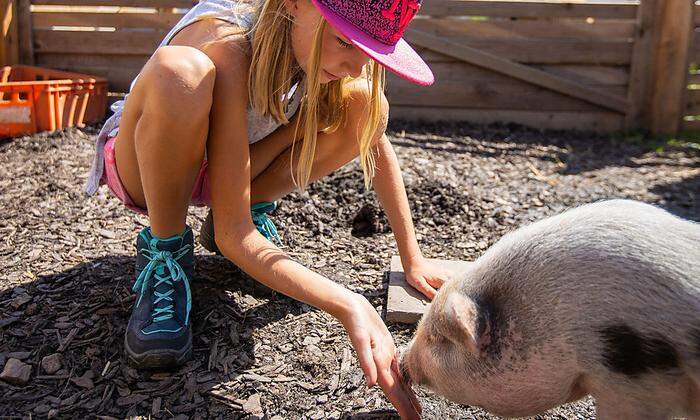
66 270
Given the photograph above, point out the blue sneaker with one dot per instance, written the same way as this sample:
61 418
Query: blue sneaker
259 212
159 333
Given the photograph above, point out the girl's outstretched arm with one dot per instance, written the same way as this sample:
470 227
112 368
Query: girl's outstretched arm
238 239
391 192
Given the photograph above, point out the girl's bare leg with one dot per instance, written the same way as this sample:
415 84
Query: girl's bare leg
163 135
273 178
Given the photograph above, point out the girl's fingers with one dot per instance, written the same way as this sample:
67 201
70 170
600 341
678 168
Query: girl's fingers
436 282
409 391
364 355
396 394
425 288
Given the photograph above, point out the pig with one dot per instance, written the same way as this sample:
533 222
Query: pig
602 299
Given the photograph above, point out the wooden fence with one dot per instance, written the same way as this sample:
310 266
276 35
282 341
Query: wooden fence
604 66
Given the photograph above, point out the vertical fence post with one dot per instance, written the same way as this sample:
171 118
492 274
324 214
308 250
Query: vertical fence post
658 77
9 47
26 39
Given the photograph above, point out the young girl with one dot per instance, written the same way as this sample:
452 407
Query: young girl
241 103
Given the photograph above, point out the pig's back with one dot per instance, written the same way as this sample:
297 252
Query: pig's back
614 276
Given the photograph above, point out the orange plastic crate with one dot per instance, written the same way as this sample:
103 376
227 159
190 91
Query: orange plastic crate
34 99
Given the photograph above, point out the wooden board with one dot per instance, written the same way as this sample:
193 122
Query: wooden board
692 102
670 65
540 28
529 9
604 122
459 71
120 70
510 68
123 3
559 51
99 43
590 74
24 29
405 304
155 21
9 41
462 91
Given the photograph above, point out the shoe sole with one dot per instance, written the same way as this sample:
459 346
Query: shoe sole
159 358
206 235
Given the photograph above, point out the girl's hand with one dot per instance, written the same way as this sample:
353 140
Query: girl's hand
378 357
426 277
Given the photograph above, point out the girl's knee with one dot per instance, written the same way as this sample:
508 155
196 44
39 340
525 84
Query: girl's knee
359 103
183 78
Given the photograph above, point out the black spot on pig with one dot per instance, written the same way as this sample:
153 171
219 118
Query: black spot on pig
490 323
628 352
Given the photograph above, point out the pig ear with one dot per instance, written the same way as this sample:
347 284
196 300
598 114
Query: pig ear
462 322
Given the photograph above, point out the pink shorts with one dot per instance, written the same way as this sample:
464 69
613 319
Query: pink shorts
200 192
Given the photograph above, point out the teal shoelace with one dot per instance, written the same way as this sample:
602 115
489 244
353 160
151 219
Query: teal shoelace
263 223
157 262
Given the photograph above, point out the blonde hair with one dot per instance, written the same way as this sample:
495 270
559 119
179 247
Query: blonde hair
323 107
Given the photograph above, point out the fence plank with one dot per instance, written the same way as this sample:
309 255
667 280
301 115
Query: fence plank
527 9
156 21
695 49
640 69
692 105
185 4
694 79
586 121
670 65
532 51
510 94
528 74
9 40
24 31
99 43
120 70
540 28
590 75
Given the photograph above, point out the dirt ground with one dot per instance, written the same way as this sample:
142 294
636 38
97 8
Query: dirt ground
66 269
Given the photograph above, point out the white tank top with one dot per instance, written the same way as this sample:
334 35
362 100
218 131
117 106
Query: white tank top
259 127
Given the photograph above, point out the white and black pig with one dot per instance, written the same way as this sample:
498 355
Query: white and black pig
603 299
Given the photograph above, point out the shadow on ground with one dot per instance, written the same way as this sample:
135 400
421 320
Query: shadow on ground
576 151
81 313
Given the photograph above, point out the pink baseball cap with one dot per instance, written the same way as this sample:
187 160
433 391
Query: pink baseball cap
376 27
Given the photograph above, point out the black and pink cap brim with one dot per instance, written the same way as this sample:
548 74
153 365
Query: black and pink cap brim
400 58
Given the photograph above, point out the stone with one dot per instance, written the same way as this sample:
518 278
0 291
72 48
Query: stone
51 363
405 304
16 372
252 405
317 415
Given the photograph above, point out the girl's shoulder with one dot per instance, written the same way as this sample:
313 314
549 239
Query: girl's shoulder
214 35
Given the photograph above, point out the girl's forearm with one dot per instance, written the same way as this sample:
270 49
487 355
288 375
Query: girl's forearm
391 193
272 267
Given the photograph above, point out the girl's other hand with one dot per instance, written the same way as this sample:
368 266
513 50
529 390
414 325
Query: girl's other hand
378 357
426 277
